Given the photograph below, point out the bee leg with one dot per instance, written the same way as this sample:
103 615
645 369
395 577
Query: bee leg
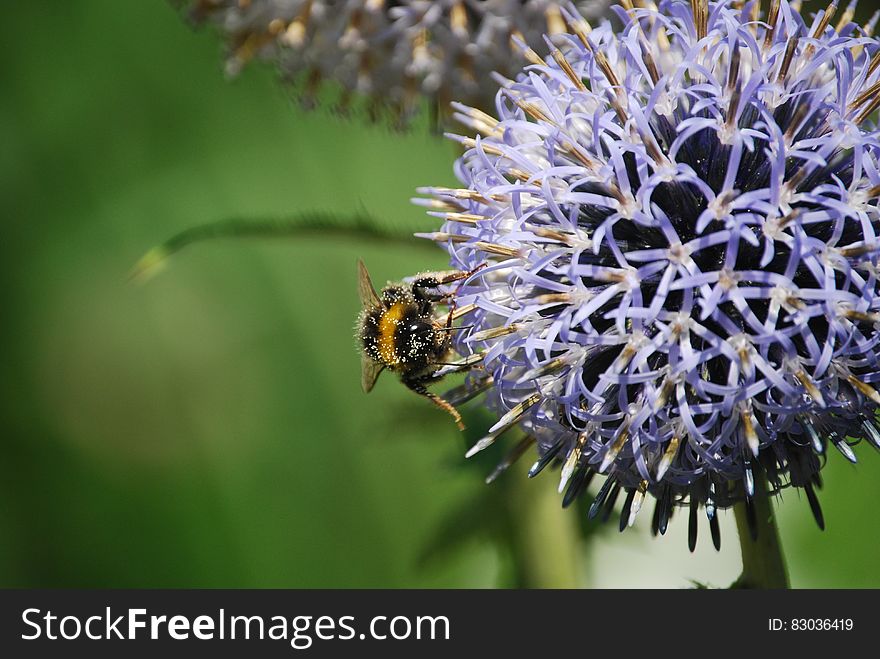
423 286
469 363
450 314
420 389
425 290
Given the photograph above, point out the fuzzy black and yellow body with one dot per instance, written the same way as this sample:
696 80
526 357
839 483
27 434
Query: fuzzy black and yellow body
401 334
399 329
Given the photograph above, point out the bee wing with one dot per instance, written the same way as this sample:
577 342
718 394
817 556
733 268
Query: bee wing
369 373
368 295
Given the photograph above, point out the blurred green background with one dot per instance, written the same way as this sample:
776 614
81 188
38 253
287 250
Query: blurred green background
207 428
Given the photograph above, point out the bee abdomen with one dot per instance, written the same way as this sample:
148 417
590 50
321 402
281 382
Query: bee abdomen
400 338
389 340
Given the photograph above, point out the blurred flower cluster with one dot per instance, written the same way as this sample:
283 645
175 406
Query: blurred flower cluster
680 222
392 53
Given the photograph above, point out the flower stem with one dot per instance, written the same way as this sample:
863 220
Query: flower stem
547 543
762 558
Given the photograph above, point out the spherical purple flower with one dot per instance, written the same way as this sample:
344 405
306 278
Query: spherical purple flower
680 223
393 53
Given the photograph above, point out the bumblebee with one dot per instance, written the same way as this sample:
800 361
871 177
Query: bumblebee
400 330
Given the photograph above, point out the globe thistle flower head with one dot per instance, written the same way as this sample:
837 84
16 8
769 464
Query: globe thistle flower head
393 53
680 223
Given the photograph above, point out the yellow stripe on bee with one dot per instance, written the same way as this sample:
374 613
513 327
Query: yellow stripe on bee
387 326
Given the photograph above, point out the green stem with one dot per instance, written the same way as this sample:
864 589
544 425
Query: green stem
763 561
359 226
547 542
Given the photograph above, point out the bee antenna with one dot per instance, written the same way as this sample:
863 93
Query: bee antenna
455 329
